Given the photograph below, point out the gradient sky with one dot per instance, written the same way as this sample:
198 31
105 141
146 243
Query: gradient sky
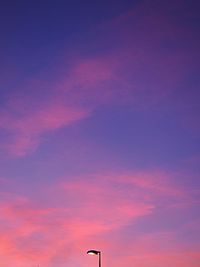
100 133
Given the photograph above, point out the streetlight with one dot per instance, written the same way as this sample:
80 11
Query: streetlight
95 252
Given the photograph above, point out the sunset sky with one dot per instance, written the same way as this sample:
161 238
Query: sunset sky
100 133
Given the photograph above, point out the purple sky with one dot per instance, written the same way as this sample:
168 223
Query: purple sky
99 133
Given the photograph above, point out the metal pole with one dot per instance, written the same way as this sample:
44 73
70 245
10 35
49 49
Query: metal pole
99 258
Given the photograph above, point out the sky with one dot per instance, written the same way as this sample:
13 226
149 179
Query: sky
99 133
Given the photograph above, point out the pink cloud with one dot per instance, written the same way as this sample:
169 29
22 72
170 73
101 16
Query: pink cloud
29 127
102 205
156 181
155 249
114 200
91 212
31 234
92 71
90 81
178 259
35 234
139 63
143 65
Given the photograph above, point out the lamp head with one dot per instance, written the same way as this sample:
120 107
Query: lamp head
93 252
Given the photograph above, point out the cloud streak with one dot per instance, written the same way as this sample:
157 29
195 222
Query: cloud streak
27 130
87 209
139 63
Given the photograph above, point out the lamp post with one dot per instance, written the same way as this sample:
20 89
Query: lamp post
95 252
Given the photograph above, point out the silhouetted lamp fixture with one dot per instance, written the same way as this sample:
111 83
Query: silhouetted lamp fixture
95 252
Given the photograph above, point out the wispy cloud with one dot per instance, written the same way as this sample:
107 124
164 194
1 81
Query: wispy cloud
27 128
95 210
139 62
